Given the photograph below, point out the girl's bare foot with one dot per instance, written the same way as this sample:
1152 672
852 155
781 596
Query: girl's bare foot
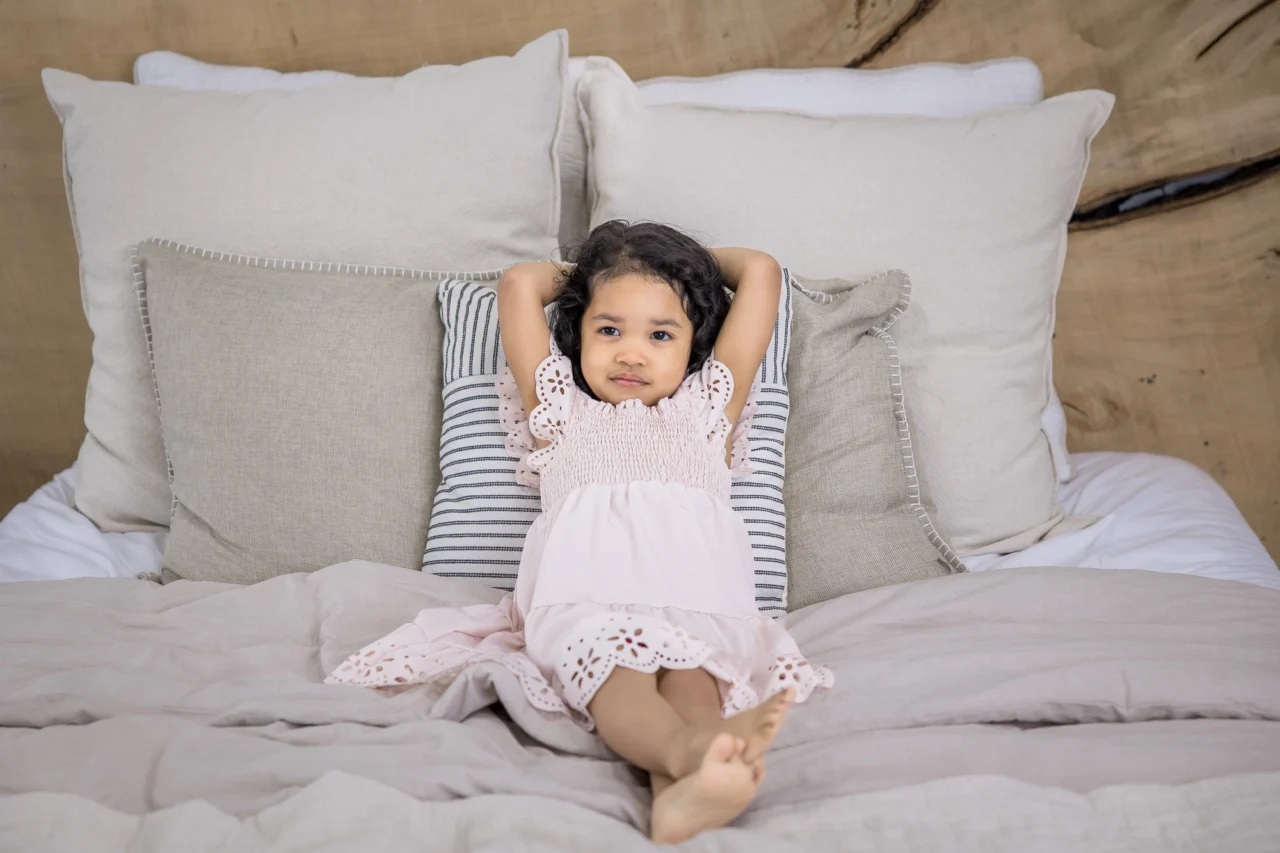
754 729
760 725
709 797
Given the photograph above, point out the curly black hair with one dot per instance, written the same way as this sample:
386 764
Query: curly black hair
616 248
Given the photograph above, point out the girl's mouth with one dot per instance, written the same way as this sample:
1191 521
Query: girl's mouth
629 380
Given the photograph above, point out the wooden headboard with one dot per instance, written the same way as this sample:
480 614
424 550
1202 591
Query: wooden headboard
1168 323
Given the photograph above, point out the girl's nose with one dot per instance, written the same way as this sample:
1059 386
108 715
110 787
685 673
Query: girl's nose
630 357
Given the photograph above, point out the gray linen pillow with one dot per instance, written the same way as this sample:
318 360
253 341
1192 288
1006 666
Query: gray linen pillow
299 407
856 516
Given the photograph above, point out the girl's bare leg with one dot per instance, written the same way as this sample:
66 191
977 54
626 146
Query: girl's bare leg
715 779
714 785
694 696
720 790
641 726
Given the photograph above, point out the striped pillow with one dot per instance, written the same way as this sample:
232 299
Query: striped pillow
481 513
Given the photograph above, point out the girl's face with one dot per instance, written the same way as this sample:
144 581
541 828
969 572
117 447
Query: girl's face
635 340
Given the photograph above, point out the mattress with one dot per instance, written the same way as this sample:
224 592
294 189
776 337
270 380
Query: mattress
1151 510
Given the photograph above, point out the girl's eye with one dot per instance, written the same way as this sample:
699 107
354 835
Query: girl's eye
610 331
661 336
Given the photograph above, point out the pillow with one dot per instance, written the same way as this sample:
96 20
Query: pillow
856 516
929 89
976 208
299 405
319 174
941 89
165 68
482 514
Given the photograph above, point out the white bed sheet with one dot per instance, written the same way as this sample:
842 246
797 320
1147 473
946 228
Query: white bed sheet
1156 513
45 538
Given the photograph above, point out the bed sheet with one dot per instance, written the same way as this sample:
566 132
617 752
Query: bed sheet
1047 709
1154 512
45 538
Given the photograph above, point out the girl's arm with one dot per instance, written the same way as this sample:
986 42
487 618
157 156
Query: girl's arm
756 280
524 292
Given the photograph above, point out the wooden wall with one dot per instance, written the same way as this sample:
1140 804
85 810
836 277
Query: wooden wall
1168 330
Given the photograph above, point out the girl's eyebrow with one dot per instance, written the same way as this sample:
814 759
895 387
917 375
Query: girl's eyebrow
609 318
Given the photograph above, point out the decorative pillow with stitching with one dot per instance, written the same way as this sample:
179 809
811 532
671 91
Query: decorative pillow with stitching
857 518
299 407
482 513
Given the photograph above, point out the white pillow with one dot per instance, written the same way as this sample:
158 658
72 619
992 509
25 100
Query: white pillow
316 175
927 89
481 513
165 68
942 89
974 209
930 88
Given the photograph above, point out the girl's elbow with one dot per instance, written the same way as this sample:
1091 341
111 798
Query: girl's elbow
768 270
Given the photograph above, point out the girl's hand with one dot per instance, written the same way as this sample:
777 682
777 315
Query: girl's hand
524 292
756 279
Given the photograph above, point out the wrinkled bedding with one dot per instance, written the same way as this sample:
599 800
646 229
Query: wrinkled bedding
1055 708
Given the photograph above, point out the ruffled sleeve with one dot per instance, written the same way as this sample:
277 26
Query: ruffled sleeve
713 387
517 439
553 382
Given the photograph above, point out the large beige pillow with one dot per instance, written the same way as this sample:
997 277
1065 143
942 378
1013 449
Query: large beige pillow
975 208
856 516
300 406
448 168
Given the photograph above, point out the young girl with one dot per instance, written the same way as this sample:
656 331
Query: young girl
634 608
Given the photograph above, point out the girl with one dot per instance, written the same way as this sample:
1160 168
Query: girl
634 609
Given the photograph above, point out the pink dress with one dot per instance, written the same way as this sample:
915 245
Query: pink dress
637 560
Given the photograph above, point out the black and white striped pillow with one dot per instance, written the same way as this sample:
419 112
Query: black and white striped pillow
481 513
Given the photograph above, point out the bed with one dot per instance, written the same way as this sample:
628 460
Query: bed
1006 708
1094 666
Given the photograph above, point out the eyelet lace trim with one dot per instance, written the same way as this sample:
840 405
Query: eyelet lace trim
632 640
647 644
517 439
556 393
556 390
714 383
398 661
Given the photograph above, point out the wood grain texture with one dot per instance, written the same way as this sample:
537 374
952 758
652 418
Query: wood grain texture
101 38
1168 341
1197 82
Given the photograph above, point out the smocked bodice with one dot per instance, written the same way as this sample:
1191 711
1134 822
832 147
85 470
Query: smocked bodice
680 440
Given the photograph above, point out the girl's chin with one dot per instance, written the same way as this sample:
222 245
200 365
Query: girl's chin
622 395
617 394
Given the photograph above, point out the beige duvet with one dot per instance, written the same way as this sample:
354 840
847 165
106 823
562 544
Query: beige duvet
1033 709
